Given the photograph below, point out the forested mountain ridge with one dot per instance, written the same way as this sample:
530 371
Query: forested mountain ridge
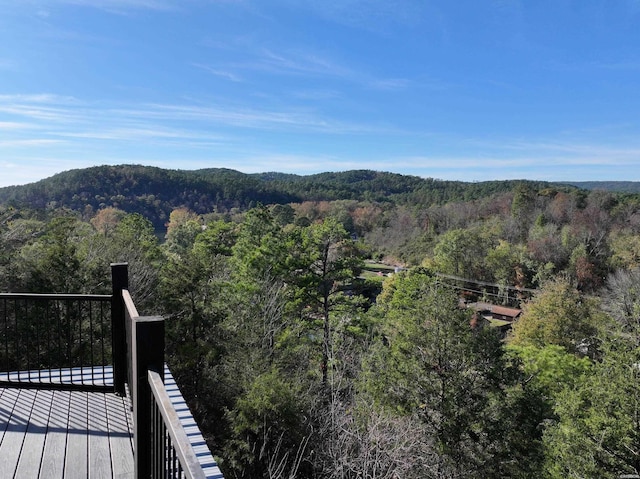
369 185
613 186
150 191
155 192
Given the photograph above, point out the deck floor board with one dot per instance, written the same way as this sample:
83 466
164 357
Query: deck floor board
78 434
120 439
15 428
34 441
64 434
76 460
99 447
55 447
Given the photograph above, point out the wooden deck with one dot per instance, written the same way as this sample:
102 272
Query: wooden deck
59 412
64 434
59 434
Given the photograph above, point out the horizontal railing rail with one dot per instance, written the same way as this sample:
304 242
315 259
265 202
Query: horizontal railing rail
56 296
130 316
56 340
172 455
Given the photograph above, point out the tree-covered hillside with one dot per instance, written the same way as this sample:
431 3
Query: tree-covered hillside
616 186
155 192
152 192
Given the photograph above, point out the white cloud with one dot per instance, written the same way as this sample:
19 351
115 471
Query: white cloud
390 84
120 6
7 65
576 152
299 164
220 73
302 63
14 125
28 143
66 118
371 15
317 94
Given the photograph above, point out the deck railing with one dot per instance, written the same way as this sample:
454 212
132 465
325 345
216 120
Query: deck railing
71 341
57 339
173 456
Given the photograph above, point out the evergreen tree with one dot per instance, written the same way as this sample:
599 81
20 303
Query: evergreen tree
431 362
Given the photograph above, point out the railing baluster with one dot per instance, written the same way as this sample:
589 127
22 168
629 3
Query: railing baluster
56 309
5 366
48 339
26 340
102 335
48 328
34 313
91 361
66 317
17 335
80 341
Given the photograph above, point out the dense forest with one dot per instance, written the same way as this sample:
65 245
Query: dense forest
155 192
301 353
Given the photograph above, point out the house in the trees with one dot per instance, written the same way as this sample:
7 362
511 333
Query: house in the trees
499 316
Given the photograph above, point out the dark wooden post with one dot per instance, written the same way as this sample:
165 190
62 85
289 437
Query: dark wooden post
120 281
147 354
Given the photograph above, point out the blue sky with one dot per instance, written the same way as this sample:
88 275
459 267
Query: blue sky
469 90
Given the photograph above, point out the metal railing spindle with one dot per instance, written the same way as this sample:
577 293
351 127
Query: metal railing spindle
54 340
6 334
92 362
48 328
26 340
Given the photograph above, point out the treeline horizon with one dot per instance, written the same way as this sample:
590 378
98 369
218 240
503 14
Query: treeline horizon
155 192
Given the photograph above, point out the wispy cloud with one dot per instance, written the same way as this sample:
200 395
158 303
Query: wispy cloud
543 160
68 118
320 94
121 6
390 84
454 167
459 167
291 120
254 162
573 152
370 15
6 64
145 134
228 75
310 64
302 63
29 142
43 107
628 65
47 9
15 125
619 65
